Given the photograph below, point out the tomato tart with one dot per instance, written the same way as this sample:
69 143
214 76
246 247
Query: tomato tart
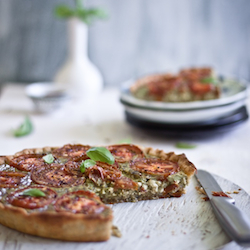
193 84
63 192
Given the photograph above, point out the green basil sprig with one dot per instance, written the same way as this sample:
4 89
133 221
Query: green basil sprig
87 15
24 129
33 192
184 145
100 154
49 158
86 164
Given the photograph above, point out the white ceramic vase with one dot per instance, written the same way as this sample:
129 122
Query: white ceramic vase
78 74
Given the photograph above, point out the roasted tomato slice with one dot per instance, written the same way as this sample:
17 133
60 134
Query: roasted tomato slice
31 202
111 174
153 166
80 201
162 85
26 162
125 183
125 152
73 167
201 88
69 151
103 171
54 176
194 74
11 179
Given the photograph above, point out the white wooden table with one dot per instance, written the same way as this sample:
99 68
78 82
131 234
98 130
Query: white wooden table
102 123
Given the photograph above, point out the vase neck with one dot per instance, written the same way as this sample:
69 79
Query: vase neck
77 39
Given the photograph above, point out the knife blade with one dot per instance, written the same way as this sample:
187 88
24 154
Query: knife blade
233 220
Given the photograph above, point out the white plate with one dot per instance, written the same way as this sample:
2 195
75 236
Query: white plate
232 91
184 117
185 223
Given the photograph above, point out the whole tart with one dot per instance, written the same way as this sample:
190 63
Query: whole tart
57 200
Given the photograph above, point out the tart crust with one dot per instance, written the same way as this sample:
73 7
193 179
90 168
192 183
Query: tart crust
62 226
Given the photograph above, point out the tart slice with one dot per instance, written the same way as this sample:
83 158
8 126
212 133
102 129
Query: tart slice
188 85
62 200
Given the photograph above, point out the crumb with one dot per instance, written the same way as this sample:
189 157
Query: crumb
200 190
205 198
239 189
235 192
116 232
228 192
147 236
220 194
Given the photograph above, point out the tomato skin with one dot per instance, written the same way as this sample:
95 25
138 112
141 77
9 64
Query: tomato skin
154 166
73 167
125 152
163 85
30 202
27 162
10 179
54 176
195 74
126 184
80 201
201 88
71 152
103 171
111 174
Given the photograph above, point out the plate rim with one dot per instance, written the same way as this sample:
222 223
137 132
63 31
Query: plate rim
132 105
238 116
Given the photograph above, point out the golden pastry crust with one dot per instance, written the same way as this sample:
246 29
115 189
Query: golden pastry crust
62 226
70 226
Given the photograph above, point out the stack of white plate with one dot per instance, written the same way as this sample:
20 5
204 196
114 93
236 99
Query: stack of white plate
233 98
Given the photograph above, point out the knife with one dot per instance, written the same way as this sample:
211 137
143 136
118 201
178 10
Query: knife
233 220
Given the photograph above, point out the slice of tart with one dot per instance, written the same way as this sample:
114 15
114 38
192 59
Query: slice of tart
61 199
188 85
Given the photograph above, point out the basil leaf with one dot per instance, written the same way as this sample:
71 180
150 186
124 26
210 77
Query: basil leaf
184 145
24 129
87 15
100 154
33 192
86 164
209 80
63 11
49 158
